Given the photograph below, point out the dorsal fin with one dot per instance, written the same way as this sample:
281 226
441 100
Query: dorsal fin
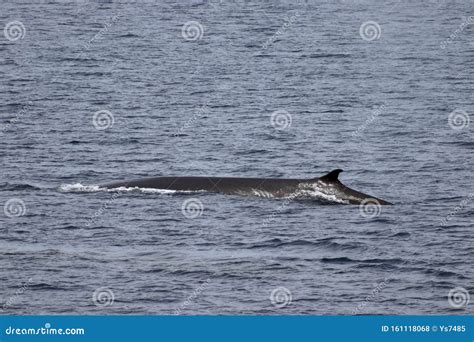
332 176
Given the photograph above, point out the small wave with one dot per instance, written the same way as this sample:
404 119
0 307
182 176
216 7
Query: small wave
338 260
129 35
249 152
327 55
45 286
443 273
17 187
401 234
325 243
344 260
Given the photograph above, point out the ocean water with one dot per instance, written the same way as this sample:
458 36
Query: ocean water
98 91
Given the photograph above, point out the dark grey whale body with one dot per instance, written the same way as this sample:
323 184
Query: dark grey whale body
328 187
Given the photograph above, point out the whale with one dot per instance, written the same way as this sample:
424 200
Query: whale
327 188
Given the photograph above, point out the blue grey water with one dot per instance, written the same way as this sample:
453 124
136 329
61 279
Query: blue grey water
289 89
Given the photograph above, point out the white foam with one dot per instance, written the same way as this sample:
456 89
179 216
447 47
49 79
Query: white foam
78 187
316 194
261 193
303 193
325 193
143 190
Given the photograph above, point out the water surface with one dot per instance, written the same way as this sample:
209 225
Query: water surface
376 108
